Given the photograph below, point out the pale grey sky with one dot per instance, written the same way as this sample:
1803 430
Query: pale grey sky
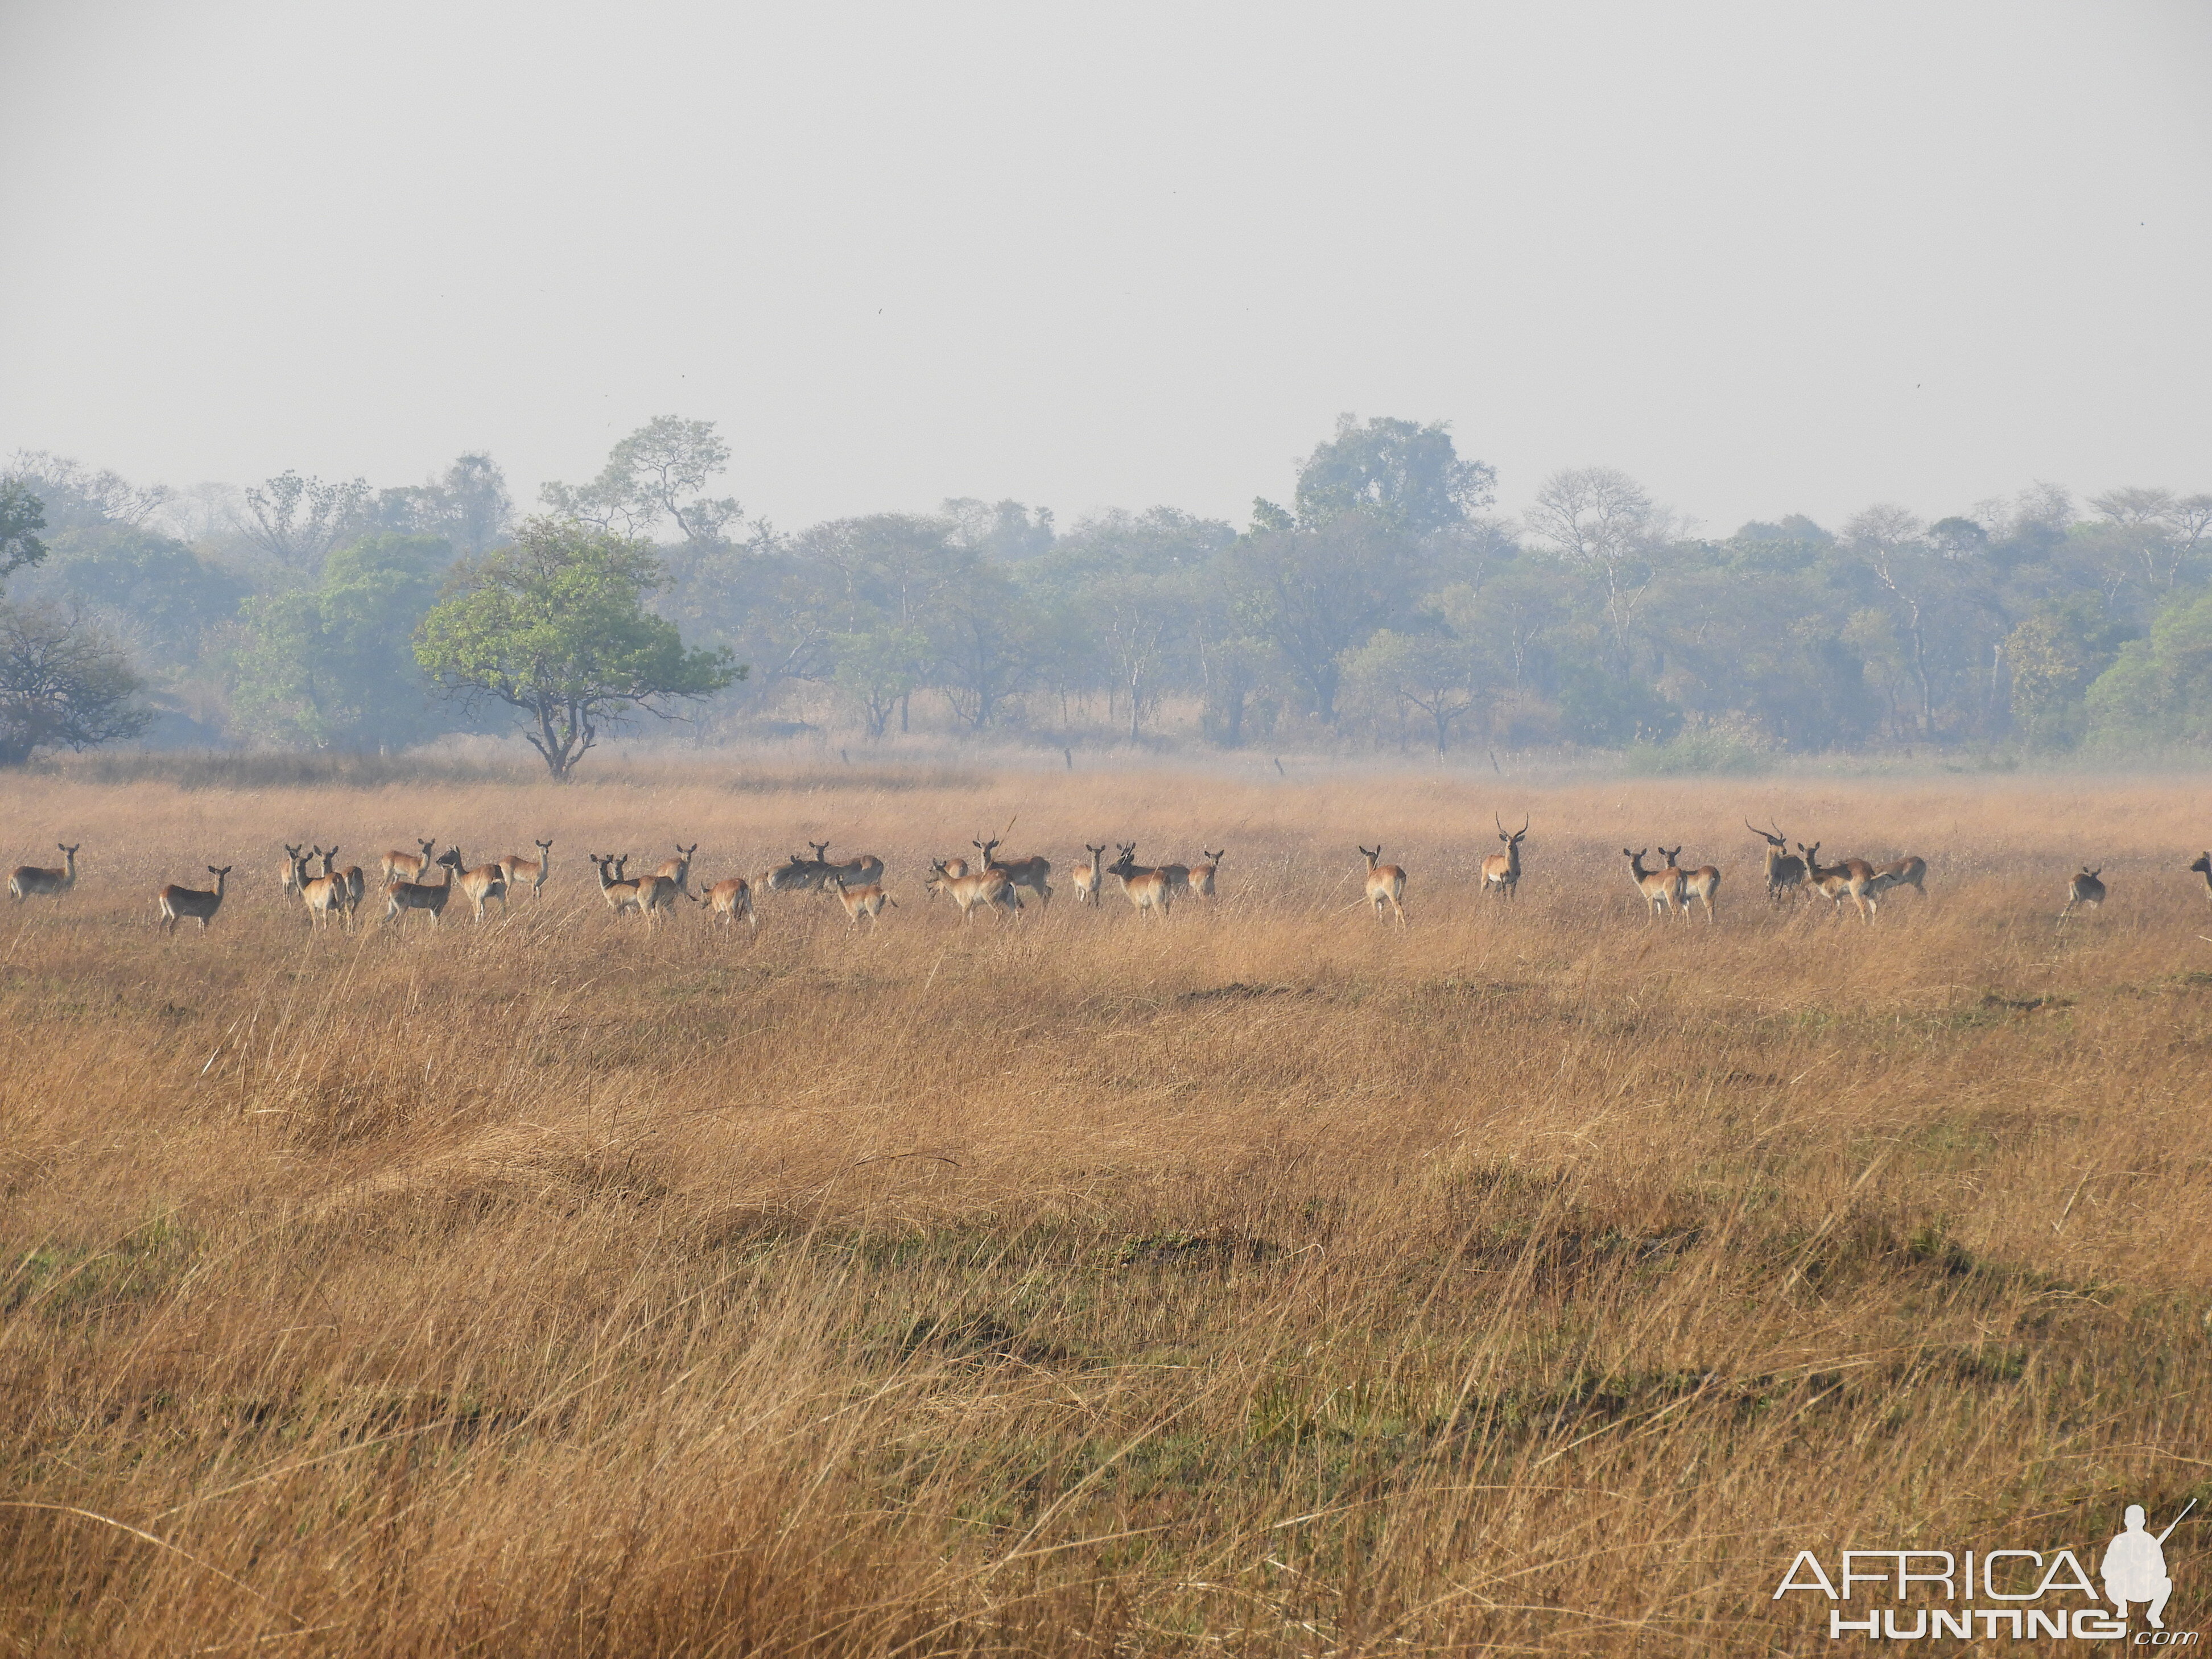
1763 258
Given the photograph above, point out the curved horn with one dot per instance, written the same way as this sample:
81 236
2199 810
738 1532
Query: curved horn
1524 824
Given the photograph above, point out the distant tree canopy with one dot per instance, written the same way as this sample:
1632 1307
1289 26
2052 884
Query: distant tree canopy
63 684
554 627
1389 604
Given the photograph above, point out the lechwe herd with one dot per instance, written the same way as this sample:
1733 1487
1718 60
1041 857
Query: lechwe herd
991 882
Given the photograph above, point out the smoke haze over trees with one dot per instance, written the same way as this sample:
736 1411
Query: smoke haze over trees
1385 607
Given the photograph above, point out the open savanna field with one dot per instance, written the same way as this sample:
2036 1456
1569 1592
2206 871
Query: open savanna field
1533 1279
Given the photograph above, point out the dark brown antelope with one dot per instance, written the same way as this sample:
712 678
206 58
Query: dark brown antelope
1033 873
1852 879
1785 871
1386 884
1501 871
729 899
2203 867
2084 889
798 876
1202 873
401 897
984 888
1090 879
408 867
678 869
862 902
1148 887
1662 889
520 871
1700 883
853 872
174 904
26 879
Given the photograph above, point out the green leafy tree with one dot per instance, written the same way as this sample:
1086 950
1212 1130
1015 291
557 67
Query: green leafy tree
1408 476
1436 675
2161 687
555 627
1313 595
2055 655
878 669
22 515
63 684
657 472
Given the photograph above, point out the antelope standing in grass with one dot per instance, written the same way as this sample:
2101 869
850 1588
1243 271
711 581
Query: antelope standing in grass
972 892
517 871
175 903
1203 874
1148 887
326 894
356 885
1900 872
28 878
862 901
2202 868
1785 871
1700 883
1386 884
1033 873
1090 879
481 885
1501 871
942 871
853 872
401 895
644 894
1662 889
289 883
678 869
1852 879
408 867
2084 889
729 899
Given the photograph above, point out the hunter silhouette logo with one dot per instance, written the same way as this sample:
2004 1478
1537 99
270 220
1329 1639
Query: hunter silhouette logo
2134 1566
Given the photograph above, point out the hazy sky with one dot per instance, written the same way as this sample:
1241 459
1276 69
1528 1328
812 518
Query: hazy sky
1763 258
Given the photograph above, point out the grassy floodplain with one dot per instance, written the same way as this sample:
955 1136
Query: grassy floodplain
1267 1281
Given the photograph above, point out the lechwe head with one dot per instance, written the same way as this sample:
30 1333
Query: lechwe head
28 878
1785 871
1662 889
2203 867
2084 889
1386 884
1703 883
1501 871
174 904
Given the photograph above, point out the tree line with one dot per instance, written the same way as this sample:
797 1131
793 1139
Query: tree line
1385 603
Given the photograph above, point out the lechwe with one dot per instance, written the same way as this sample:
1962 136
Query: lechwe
401 897
482 885
408 867
1386 884
520 871
862 901
1700 883
1203 874
678 869
1148 887
1852 880
26 879
972 892
1785 871
2202 868
1090 879
175 904
288 883
1662 889
1033 873
325 895
645 894
1501 871
853 872
728 899
2084 889
798 876
1906 871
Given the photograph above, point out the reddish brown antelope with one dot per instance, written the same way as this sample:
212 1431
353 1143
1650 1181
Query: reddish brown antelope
408 867
728 900
1662 889
520 871
1852 879
644 894
1032 873
174 904
1090 879
2203 867
1202 873
1700 883
326 894
26 879
1906 871
678 869
853 872
984 888
1386 884
1148 887
401 897
481 885
862 902
2084 889
289 883
1785 871
1501 871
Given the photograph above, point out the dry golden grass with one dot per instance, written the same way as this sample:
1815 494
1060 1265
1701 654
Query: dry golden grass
1266 1281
